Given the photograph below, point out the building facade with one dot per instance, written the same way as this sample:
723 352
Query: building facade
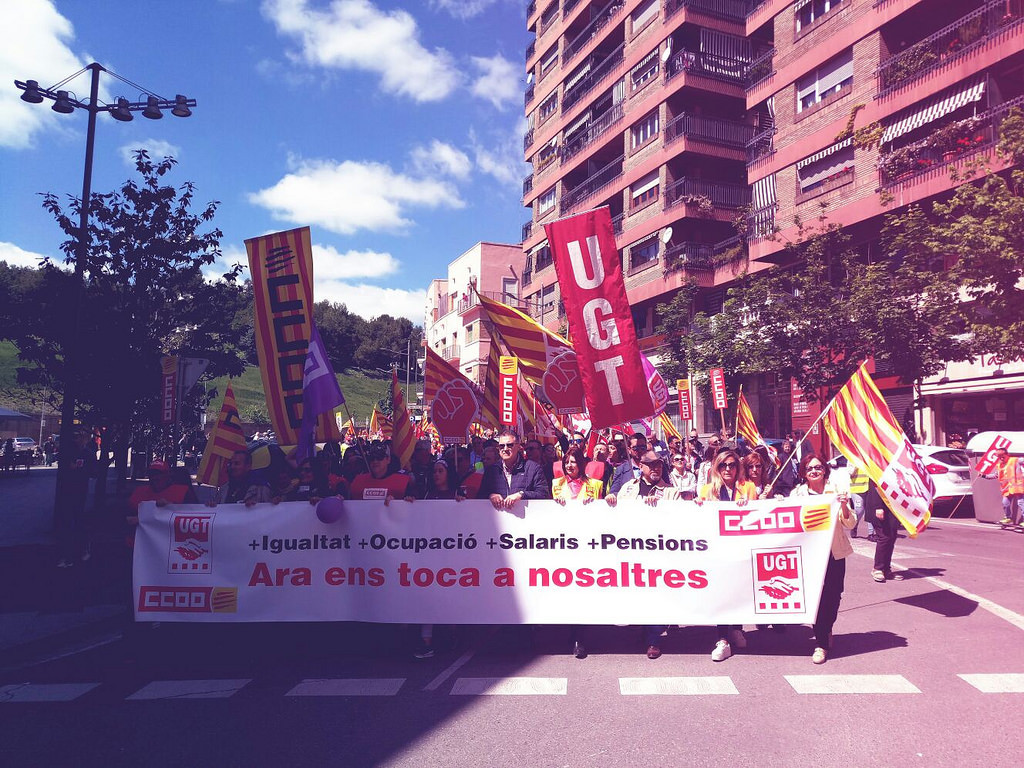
695 119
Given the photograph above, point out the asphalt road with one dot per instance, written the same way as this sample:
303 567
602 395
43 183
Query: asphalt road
926 671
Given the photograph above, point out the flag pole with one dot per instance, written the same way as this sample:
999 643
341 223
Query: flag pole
800 442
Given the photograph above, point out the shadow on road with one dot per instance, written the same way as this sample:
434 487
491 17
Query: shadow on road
942 602
860 643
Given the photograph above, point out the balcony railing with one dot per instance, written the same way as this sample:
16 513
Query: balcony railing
467 303
528 96
592 185
567 7
617 223
547 21
527 230
531 8
761 222
592 79
730 10
527 185
945 145
727 133
591 30
527 139
531 49
760 69
702 193
761 145
963 37
693 256
707 64
451 352
598 127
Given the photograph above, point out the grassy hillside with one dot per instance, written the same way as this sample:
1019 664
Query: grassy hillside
361 392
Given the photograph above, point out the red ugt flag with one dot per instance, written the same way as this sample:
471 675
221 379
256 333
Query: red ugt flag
590 275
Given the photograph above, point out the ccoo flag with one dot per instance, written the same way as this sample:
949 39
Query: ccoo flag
320 394
862 427
226 438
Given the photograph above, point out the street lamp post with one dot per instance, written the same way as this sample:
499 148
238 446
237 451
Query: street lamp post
65 103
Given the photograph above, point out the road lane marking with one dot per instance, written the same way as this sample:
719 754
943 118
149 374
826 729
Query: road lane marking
676 686
438 681
851 684
30 693
188 689
510 686
348 687
1003 683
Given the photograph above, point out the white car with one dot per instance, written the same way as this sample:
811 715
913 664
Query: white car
949 468
24 444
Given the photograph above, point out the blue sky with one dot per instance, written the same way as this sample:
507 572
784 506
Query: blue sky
393 129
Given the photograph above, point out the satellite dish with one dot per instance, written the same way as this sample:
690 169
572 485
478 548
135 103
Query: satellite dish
668 50
529 78
666 235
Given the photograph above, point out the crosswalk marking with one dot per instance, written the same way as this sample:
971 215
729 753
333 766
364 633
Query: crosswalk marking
348 687
851 684
676 686
44 692
188 689
1004 683
510 686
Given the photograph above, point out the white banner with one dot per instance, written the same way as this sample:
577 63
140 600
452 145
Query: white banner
465 563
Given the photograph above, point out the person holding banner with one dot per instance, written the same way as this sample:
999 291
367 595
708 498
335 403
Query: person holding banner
754 472
381 482
814 474
241 487
574 485
515 477
682 477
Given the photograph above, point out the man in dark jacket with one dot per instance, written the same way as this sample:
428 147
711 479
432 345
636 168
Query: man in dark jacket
629 470
514 477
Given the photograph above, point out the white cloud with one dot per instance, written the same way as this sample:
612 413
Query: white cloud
463 9
369 301
440 159
331 265
503 157
19 257
357 35
33 45
157 148
348 196
499 81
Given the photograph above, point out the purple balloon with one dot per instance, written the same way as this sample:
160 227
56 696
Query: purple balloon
330 509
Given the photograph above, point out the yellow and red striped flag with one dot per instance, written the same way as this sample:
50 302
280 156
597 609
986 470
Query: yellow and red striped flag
745 424
490 410
525 338
863 429
403 434
379 423
226 438
667 427
438 371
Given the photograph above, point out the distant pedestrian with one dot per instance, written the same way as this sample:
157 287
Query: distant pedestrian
1011 487
887 528
49 449
79 466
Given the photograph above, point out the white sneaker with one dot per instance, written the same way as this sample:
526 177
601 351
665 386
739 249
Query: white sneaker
738 638
722 650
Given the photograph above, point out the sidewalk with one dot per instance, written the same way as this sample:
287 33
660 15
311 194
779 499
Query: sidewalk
42 607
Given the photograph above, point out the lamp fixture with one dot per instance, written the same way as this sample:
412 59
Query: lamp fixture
122 111
152 110
181 107
32 94
62 104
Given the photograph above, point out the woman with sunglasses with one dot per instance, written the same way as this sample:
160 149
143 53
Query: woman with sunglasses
814 474
726 484
756 472
681 477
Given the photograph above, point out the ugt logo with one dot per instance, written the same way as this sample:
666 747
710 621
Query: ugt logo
778 580
191 549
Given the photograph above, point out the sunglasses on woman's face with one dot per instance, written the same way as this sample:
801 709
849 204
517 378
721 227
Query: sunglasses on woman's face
815 468
727 465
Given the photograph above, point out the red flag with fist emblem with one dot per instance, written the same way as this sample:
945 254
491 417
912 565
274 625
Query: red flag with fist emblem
562 384
453 409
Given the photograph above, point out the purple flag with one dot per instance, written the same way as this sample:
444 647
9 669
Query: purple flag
320 392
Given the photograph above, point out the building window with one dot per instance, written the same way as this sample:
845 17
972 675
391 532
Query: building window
549 60
543 257
643 14
645 190
546 201
643 253
644 130
646 70
548 107
830 169
546 155
826 80
812 11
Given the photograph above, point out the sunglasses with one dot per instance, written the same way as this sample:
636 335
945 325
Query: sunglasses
678 460
506 446
815 468
727 465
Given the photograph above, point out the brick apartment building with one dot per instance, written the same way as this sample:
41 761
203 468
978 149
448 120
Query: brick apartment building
684 115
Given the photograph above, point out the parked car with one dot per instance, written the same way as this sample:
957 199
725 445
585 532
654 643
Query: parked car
949 468
24 444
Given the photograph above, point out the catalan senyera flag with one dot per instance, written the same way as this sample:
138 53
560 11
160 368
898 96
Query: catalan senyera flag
863 429
490 413
226 438
436 372
667 427
403 434
380 423
525 338
747 427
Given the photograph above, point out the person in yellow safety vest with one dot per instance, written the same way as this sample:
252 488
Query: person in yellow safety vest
858 487
574 485
1011 486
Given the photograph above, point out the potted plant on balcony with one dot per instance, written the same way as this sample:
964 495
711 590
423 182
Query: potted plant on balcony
702 204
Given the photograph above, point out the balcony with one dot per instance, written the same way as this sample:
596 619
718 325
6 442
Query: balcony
451 352
528 96
761 145
729 10
965 36
759 70
531 49
592 79
471 301
691 256
705 196
547 21
531 8
598 127
527 230
527 139
707 64
617 223
947 144
716 130
567 7
591 30
761 222
592 185
527 185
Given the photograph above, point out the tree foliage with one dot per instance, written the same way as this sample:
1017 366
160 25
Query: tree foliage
144 295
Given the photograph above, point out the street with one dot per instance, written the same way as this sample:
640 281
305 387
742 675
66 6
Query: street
924 671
